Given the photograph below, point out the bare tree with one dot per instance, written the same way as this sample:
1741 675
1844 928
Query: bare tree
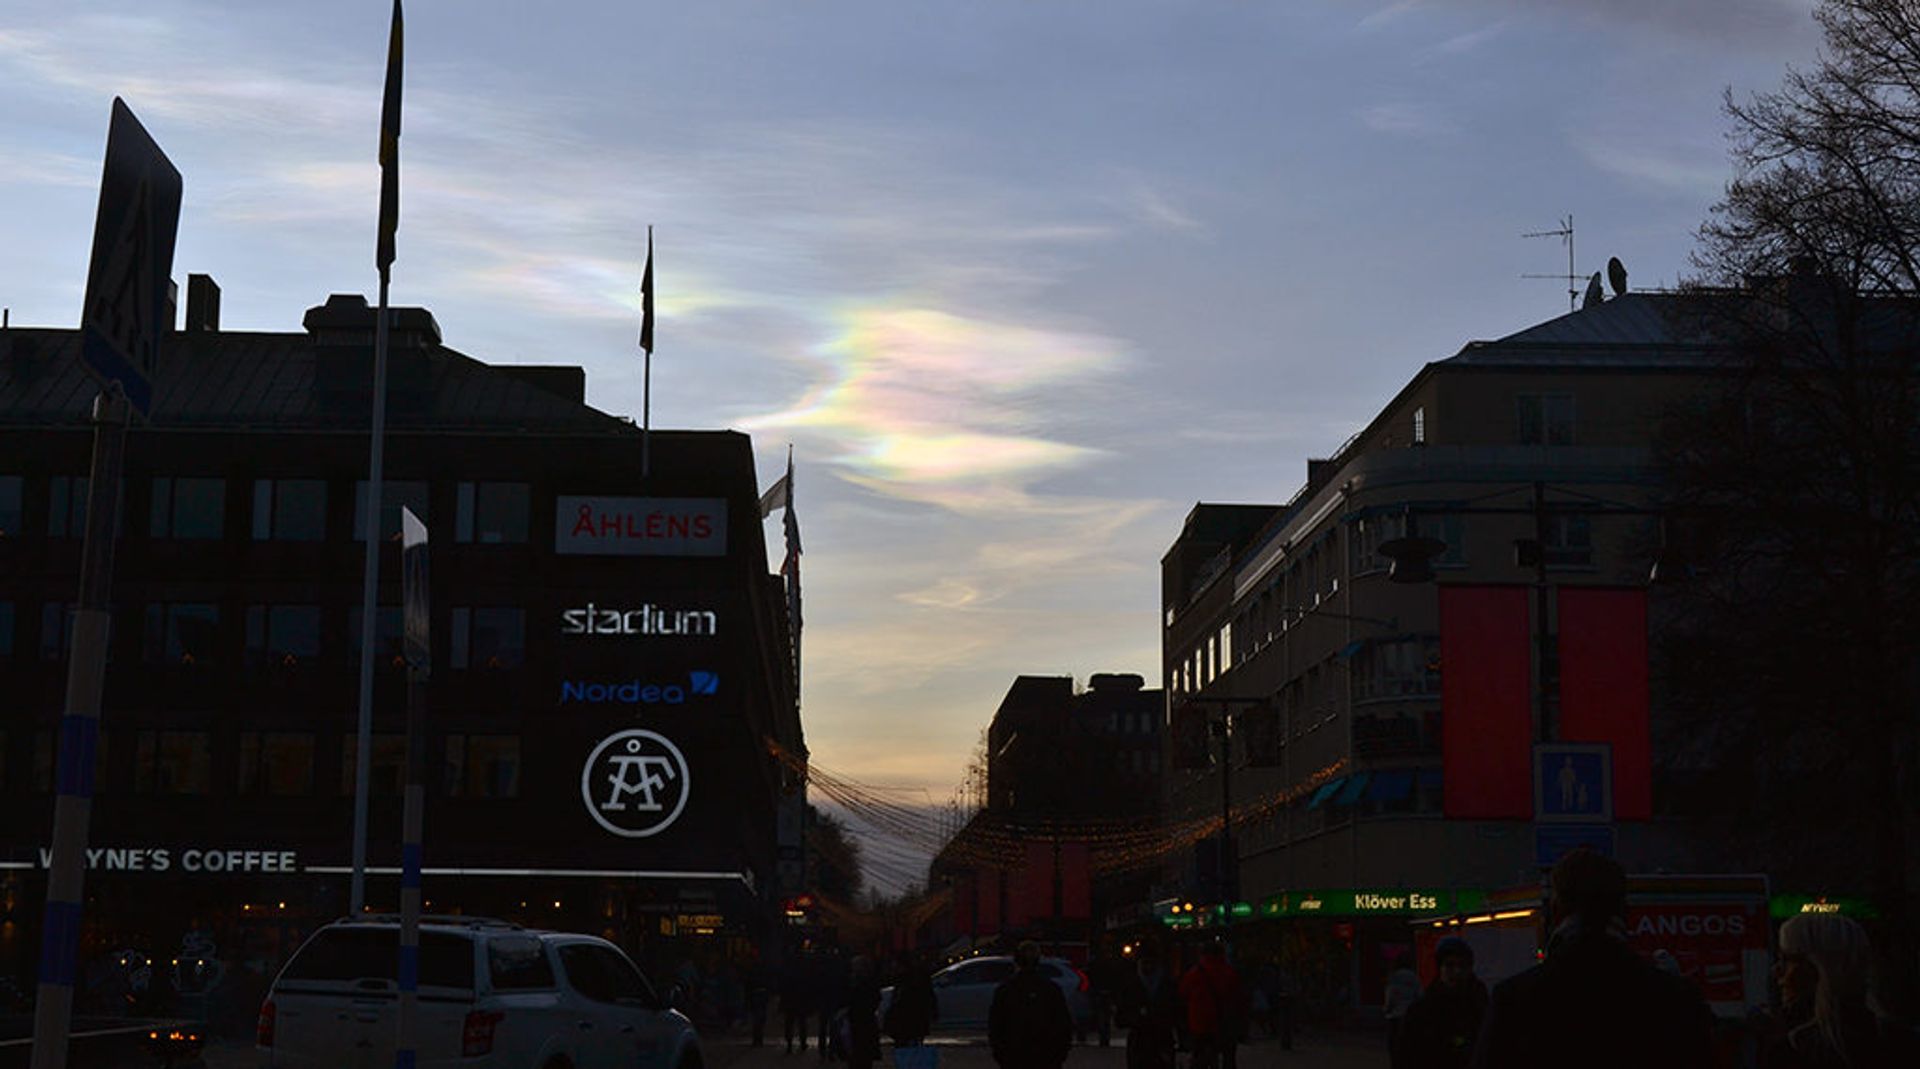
1794 656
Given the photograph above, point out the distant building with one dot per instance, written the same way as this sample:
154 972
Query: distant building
1527 462
1067 772
583 616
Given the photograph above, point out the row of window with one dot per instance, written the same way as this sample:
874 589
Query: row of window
285 636
284 510
283 764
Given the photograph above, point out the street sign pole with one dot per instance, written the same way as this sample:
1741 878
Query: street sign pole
126 314
415 615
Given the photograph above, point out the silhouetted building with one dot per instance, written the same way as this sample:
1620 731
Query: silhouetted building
610 652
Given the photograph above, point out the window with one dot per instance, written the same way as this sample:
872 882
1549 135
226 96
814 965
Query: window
389 636
44 743
483 766
1406 668
1545 418
6 636
276 763
1569 539
56 624
188 508
488 638
388 771
182 633
172 762
12 488
282 635
289 510
67 506
349 954
393 494
518 963
491 513
604 975
1368 534
1420 425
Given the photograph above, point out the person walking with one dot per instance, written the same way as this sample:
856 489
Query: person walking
1402 991
1443 1024
1149 1005
796 997
914 1008
1028 1024
1830 1021
1216 1008
863 1014
830 995
1593 1002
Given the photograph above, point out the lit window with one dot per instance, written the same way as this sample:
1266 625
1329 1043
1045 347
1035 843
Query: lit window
1420 425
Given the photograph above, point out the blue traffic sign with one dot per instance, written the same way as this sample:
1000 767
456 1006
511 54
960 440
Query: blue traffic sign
1573 782
128 305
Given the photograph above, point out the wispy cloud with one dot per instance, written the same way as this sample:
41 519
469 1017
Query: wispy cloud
1462 43
1384 16
1406 119
1693 171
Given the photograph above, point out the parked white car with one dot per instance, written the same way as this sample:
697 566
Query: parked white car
964 990
492 996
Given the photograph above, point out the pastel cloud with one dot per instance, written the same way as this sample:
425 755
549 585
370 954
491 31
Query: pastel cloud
929 406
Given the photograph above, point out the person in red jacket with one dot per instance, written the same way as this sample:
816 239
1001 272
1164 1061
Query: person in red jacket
1216 1008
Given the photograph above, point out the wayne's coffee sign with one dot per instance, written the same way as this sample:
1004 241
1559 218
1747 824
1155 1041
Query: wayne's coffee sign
641 526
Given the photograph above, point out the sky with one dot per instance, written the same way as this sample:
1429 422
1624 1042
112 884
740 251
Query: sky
1020 282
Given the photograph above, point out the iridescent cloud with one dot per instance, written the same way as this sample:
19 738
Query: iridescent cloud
930 406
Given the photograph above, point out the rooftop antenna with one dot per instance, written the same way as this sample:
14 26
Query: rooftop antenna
1564 233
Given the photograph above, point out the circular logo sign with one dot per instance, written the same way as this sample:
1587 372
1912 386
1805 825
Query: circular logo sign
635 783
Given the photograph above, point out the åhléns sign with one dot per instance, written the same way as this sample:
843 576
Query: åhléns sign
641 526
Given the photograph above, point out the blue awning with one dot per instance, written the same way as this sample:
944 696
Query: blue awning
1326 791
1356 786
1391 786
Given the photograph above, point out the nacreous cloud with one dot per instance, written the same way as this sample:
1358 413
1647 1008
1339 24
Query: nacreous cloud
928 406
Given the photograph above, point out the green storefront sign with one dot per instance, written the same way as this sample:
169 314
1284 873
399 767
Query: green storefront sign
1784 906
1385 902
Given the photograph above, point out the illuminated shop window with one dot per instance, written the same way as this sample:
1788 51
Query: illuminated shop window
388 760
172 762
188 508
276 763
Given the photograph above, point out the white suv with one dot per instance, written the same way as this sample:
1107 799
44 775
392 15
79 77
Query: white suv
492 996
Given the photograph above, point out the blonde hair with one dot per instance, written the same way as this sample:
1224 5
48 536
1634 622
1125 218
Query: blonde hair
1840 952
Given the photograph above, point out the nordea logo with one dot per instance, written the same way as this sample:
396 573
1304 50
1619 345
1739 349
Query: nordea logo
634 692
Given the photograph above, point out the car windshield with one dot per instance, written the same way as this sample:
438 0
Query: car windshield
347 954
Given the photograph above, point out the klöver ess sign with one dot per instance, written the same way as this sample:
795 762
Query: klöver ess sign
645 620
641 526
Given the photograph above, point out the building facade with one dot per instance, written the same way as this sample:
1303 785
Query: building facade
1520 472
610 655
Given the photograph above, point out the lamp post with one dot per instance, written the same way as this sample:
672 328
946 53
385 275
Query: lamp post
1222 729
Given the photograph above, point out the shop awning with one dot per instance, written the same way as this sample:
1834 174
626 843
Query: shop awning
1391 786
1326 791
1356 786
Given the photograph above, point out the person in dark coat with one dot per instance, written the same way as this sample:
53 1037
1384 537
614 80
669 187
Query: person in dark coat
1443 1023
1149 1005
1029 1025
1593 1001
914 1008
829 993
796 998
863 1014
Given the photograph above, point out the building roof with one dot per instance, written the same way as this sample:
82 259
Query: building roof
279 381
1643 330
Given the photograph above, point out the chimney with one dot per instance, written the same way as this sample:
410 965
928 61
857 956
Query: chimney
203 304
342 332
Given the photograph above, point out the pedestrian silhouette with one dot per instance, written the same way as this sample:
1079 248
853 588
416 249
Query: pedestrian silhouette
1028 1025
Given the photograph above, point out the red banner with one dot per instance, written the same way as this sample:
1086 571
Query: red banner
1486 730
988 898
1032 890
1603 686
1076 881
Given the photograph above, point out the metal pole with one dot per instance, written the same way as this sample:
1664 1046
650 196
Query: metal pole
1543 687
79 737
369 588
412 819
1229 871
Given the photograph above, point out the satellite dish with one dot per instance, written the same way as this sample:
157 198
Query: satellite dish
1594 296
1616 275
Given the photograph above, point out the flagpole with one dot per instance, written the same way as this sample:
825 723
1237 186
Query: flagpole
646 374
